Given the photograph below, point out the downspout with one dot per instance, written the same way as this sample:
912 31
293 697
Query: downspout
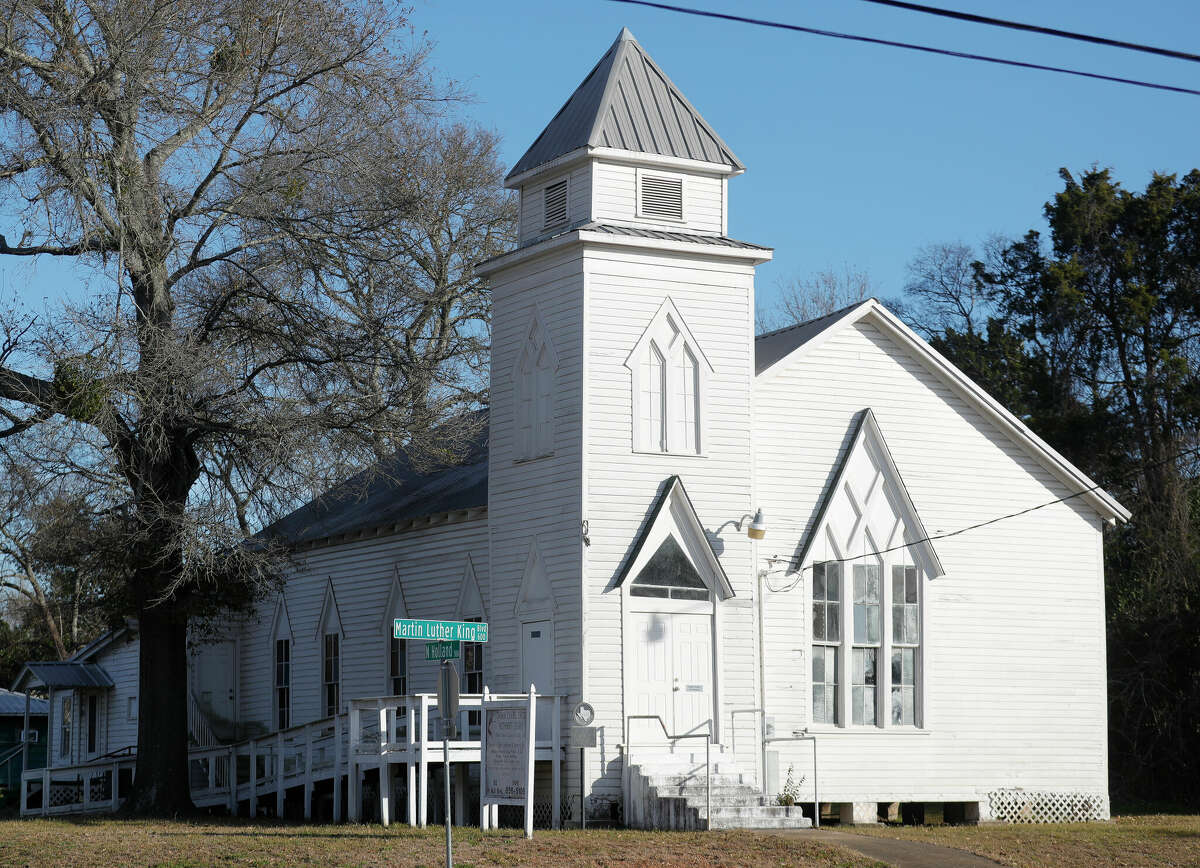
762 679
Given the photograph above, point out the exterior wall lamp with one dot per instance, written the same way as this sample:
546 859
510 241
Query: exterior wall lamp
758 525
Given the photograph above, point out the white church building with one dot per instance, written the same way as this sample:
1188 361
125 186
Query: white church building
638 428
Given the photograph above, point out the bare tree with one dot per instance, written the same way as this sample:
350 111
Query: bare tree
807 298
264 193
948 287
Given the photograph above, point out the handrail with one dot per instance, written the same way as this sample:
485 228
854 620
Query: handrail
804 735
762 771
708 736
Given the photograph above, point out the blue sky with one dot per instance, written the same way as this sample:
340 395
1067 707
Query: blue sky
857 155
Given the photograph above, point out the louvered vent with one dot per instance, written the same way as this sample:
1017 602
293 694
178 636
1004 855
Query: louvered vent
662 197
556 204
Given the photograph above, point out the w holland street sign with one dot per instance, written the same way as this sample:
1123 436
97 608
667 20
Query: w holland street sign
440 631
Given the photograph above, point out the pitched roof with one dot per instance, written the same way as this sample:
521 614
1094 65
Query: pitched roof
867 438
66 674
627 102
774 348
13 704
392 491
674 514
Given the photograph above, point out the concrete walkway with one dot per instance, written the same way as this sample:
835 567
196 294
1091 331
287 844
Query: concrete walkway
893 851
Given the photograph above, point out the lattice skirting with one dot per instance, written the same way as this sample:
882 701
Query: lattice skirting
1032 806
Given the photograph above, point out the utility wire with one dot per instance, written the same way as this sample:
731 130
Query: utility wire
1037 28
788 562
871 40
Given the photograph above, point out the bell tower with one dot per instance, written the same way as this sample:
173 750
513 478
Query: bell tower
620 445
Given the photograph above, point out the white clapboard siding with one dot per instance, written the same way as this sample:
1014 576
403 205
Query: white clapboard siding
715 298
614 198
120 661
536 500
1013 633
579 194
430 563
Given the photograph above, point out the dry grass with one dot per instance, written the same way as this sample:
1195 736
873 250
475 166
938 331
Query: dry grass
1158 840
114 842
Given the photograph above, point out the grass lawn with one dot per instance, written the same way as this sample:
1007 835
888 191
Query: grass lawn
116 842
1153 840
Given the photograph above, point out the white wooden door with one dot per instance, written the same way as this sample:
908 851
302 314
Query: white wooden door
670 671
650 673
537 655
691 642
215 686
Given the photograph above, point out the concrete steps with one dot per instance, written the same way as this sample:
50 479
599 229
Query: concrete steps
669 790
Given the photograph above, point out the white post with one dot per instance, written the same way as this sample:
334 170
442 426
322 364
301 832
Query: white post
46 781
337 768
353 785
484 813
116 785
86 778
531 746
231 781
211 762
308 775
460 794
385 777
556 765
25 738
253 779
279 788
423 764
410 724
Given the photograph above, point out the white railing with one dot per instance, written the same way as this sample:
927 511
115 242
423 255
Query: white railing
629 763
198 726
375 733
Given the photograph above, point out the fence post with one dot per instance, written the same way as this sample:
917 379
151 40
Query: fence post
423 764
385 777
231 780
410 724
253 778
308 775
279 775
531 747
337 768
556 766
116 785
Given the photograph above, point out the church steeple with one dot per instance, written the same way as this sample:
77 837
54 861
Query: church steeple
627 103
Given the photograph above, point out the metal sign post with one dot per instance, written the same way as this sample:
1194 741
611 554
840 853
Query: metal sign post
583 735
447 699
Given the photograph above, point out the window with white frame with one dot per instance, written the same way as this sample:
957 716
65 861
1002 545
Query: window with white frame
64 727
131 708
331 674
283 683
827 636
905 643
472 653
864 679
398 667
669 372
533 385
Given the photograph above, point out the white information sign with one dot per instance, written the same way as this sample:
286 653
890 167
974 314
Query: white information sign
506 755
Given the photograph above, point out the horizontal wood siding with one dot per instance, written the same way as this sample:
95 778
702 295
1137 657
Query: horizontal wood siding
716 300
614 198
1013 640
430 563
540 498
579 195
120 661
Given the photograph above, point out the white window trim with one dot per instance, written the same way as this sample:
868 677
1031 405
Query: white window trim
666 176
520 383
671 344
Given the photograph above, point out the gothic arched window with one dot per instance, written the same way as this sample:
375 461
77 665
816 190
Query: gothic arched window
669 373
533 393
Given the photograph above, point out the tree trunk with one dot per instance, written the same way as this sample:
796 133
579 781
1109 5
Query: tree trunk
160 786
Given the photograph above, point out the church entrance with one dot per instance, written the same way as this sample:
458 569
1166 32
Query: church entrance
669 626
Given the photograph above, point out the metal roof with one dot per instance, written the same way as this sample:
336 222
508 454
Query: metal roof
13 704
637 232
66 674
390 492
769 348
627 102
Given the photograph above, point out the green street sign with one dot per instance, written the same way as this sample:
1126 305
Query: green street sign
440 631
442 650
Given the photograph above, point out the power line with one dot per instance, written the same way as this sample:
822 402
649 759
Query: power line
871 40
939 536
1037 28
